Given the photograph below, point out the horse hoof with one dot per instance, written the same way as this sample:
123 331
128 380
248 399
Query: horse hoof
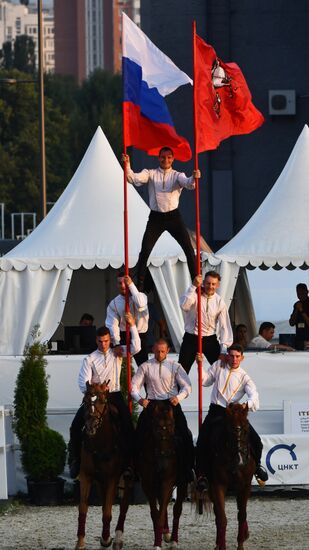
80 546
106 543
117 545
167 537
174 545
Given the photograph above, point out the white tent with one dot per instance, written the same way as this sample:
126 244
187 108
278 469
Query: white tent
83 231
277 235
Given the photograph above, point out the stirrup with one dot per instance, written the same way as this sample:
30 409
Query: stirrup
128 474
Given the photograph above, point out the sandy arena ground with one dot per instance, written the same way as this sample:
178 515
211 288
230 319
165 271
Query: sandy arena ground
274 523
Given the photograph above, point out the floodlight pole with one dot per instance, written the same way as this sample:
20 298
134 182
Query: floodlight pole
41 110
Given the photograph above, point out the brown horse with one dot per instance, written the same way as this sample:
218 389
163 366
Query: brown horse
232 467
160 469
102 462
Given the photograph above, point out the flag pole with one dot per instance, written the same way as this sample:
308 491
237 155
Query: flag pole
198 237
126 237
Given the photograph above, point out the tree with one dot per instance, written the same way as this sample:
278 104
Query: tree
24 54
6 56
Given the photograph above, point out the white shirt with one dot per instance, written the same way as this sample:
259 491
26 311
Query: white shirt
259 342
99 367
164 186
230 385
214 314
115 314
163 380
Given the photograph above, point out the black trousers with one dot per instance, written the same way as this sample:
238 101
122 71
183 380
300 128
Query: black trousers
203 451
183 434
126 426
158 222
188 349
142 355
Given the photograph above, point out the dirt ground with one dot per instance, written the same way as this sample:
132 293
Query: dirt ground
274 523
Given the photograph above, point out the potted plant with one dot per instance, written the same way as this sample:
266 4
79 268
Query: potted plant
43 451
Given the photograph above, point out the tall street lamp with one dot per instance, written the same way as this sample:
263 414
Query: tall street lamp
41 110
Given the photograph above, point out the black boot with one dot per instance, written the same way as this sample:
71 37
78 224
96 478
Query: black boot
73 460
260 473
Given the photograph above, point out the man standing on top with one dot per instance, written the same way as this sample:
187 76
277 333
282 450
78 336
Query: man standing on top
164 187
215 320
115 316
300 317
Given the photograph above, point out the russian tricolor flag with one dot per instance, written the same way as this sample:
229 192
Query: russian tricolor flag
148 76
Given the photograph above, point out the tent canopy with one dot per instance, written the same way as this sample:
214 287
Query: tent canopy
277 234
84 229
85 226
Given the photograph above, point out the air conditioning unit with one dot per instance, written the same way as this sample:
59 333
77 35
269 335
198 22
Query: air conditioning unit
282 102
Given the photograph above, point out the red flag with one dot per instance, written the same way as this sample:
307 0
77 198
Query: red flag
222 99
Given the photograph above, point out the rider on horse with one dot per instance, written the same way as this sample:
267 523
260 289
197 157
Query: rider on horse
230 384
164 379
104 365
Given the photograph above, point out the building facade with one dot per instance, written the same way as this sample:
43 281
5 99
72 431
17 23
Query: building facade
17 19
88 35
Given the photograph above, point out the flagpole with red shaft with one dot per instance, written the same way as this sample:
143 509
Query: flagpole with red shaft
198 239
126 251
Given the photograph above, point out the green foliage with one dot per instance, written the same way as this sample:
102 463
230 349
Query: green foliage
72 115
43 450
21 56
31 390
49 450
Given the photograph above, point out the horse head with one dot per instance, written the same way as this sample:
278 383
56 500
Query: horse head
238 427
96 404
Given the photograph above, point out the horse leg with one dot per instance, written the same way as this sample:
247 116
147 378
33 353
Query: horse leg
109 496
166 529
243 531
123 508
84 489
218 497
162 515
177 510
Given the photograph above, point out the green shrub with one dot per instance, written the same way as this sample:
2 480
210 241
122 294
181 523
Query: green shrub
43 451
43 455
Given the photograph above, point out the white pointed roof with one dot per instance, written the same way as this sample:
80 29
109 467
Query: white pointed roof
85 226
278 232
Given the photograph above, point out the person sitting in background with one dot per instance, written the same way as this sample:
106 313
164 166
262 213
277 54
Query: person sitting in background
300 317
241 335
86 320
262 341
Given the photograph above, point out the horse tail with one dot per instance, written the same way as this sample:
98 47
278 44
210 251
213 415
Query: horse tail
201 502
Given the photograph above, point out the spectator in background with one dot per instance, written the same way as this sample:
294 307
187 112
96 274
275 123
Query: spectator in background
263 340
86 320
300 317
240 336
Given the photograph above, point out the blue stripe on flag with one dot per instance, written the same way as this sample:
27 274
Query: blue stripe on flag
137 91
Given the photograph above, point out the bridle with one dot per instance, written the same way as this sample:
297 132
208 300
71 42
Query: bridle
96 405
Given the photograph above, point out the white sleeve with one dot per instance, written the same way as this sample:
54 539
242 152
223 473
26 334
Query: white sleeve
188 299
135 346
225 329
137 383
112 322
183 382
184 181
209 376
252 393
85 374
139 298
139 178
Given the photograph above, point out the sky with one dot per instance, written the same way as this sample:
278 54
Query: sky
273 292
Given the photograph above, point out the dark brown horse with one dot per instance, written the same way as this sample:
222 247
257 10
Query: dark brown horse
160 469
232 466
102 462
